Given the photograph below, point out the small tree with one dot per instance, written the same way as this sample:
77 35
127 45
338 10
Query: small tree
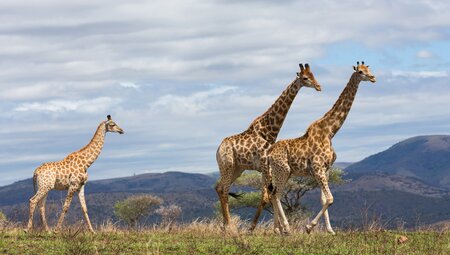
169 213
134 208
294 190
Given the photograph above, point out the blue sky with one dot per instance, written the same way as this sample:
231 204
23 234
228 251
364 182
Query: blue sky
179 76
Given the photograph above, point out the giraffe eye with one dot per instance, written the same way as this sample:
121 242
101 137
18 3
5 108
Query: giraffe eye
305 79
360 72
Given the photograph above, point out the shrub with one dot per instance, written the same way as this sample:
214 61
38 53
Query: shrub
132 209
169 213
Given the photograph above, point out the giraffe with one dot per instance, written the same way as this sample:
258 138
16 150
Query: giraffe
313 154
69 174
247 150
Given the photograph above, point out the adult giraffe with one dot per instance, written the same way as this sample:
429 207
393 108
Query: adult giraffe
313 154
248 150
69 174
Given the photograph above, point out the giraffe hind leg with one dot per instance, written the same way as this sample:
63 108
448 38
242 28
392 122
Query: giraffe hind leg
222 189
264 200
321 179
225 160
34 200
323 200
267 187
281 173
41 205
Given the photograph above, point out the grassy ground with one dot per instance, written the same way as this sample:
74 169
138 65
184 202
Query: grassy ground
207 239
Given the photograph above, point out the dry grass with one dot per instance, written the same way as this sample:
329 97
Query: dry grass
208 237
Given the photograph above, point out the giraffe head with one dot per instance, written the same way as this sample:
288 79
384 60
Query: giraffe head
111 126
364 73
306 78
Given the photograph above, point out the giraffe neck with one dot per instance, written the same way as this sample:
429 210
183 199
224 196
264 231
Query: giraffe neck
92 150
269 124
335 117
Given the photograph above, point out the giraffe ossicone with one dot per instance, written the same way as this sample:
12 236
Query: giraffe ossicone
69 174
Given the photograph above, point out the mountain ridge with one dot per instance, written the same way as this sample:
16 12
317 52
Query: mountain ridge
426 158
378 181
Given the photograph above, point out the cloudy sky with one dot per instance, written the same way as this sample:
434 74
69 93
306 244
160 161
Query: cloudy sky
179 76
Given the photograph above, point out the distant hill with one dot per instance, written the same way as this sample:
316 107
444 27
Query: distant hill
194 193
380 181
408 183
342 165
426 158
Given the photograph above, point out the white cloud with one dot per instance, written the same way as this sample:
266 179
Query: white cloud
190 105
29 92
90 57
421 74
95 105
129 85
32 159
424 54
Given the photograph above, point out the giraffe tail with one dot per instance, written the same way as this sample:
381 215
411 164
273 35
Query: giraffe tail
236 195
34 182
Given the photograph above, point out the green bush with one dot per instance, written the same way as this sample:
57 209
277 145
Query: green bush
134 208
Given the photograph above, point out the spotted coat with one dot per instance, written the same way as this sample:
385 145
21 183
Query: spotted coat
69 174
313 153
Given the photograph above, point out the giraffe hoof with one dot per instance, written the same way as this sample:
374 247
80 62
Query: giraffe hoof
250 231
331 232
276 231
308 229
286 233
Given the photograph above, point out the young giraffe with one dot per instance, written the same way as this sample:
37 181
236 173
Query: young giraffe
248 150
69 174
313 154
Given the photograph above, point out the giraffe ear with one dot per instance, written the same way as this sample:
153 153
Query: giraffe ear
354 68
108 117
301 67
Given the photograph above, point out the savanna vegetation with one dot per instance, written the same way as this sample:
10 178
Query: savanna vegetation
132 233
207 237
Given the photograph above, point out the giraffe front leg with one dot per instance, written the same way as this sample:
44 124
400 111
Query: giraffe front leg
84 208
321 178
65 208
